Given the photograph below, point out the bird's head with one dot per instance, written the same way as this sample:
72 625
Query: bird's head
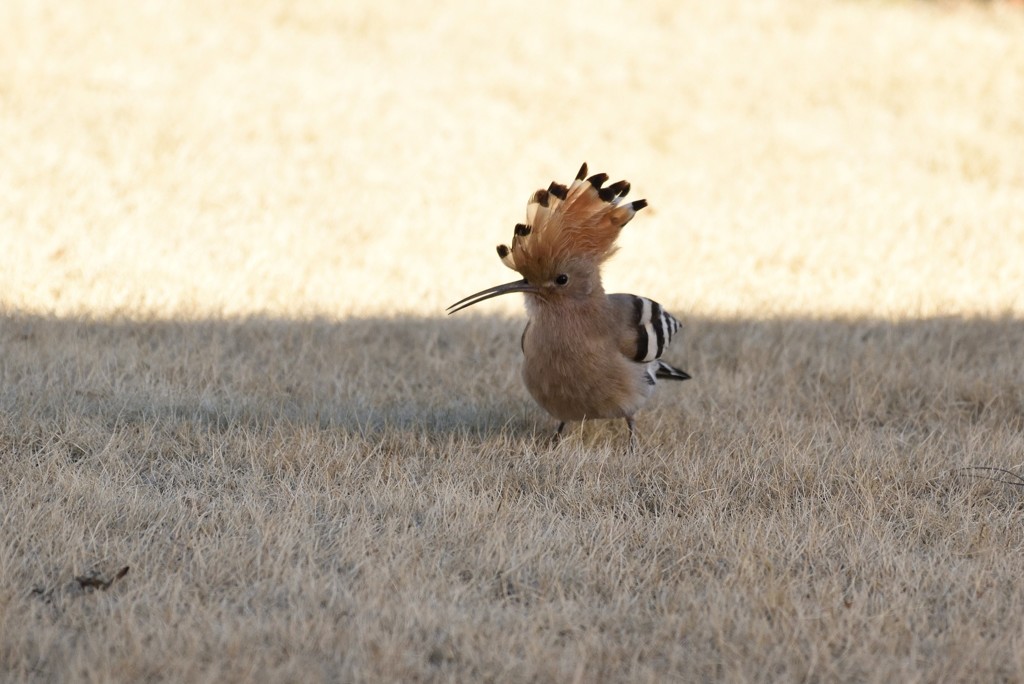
569 232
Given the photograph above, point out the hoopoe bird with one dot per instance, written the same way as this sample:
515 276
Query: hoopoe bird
586 354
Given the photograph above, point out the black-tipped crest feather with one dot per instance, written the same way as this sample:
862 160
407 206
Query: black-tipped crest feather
616 189
558 190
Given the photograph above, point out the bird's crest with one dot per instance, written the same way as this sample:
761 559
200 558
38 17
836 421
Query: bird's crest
581 221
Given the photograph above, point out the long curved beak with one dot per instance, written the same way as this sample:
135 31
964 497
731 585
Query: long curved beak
497 290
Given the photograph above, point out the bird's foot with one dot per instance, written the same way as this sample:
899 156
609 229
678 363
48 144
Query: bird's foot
556 438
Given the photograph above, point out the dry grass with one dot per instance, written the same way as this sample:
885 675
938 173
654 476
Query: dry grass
226 239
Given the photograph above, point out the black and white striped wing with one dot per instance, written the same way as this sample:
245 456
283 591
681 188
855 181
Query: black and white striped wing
651 327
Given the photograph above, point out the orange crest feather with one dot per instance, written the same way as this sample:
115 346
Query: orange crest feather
581 221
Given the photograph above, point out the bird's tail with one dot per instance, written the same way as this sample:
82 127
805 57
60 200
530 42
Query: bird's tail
670 372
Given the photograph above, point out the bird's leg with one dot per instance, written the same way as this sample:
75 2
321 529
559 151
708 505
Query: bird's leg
634 438
557 437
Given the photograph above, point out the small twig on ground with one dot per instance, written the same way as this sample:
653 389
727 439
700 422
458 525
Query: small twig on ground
96 582
1015 481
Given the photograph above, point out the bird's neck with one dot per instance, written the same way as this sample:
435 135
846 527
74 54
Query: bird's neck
592 305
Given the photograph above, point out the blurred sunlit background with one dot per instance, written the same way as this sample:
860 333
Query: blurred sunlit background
191 159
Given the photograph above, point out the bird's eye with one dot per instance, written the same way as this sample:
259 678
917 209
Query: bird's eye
561 279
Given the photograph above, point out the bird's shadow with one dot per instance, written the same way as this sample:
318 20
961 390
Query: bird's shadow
459 375
361 375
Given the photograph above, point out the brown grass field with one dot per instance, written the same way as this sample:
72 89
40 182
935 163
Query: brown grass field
227 238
